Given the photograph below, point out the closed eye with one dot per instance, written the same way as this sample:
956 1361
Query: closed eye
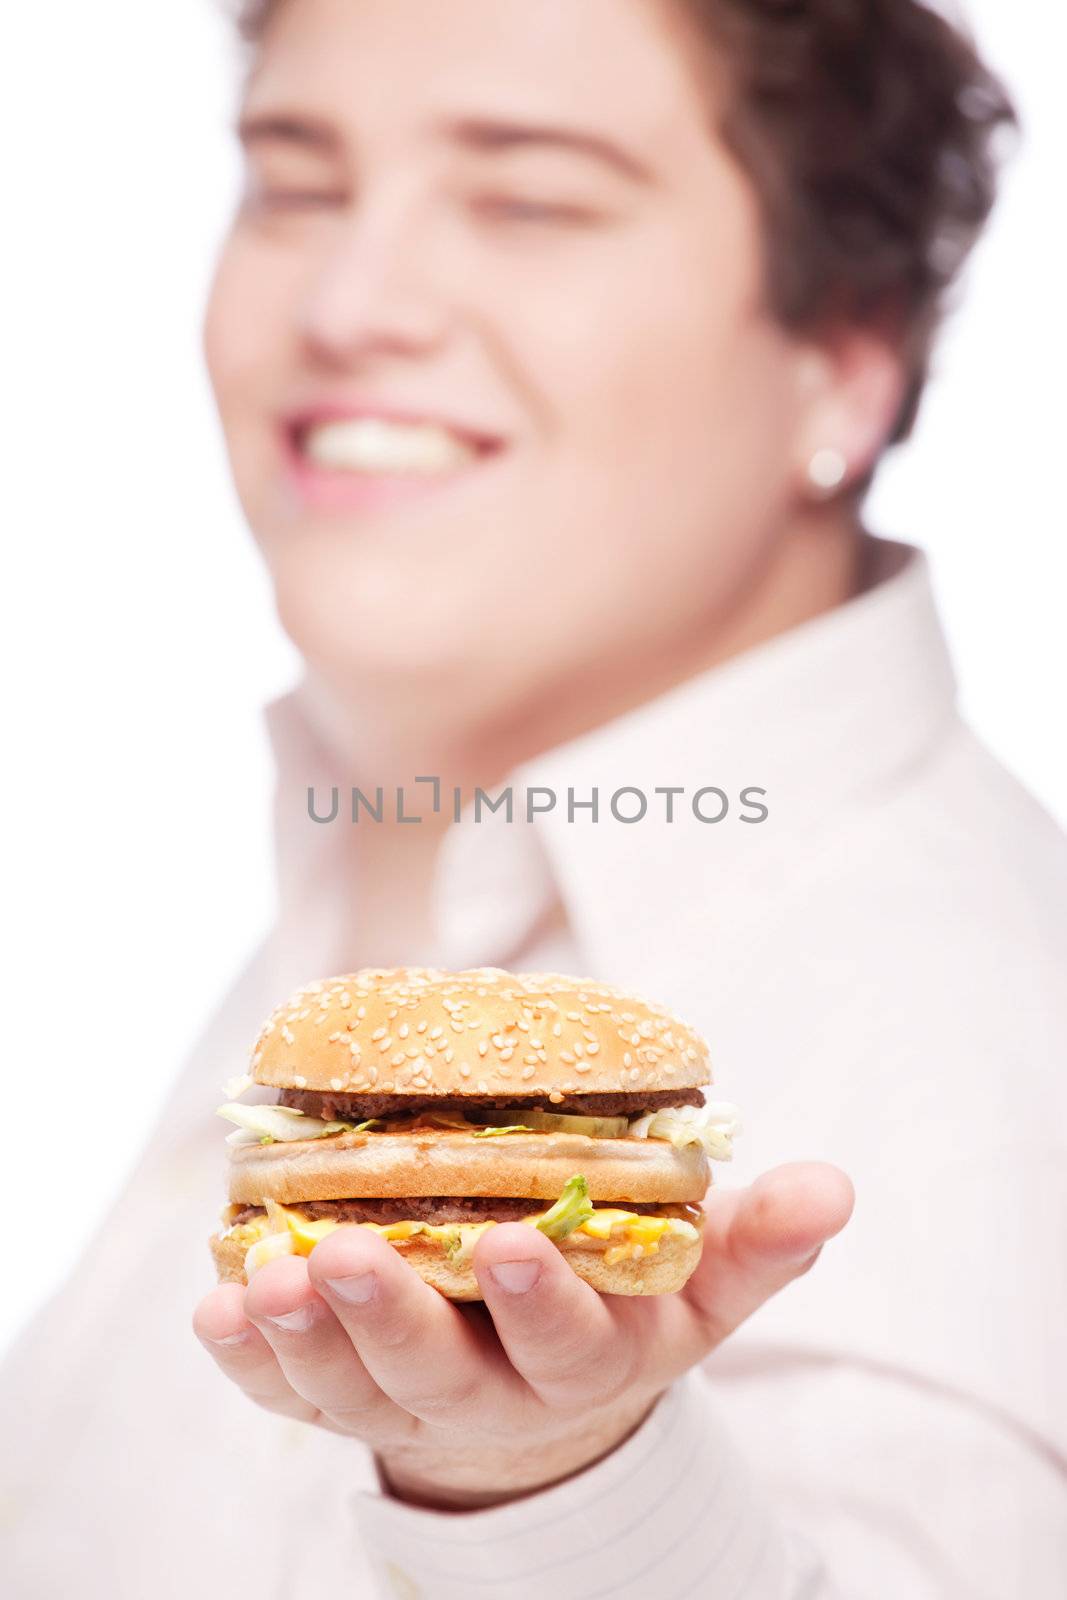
513 208
286 199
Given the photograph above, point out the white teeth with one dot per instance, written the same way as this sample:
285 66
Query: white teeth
371 445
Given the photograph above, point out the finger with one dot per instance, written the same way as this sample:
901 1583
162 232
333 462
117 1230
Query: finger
559 1334
424 1353
316 1356
241 1352
759 1239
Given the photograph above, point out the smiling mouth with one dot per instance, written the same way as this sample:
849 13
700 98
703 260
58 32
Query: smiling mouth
380 447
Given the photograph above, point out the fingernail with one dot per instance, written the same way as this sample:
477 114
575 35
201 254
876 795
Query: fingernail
355 1290
298 1321
235 1338
516 1276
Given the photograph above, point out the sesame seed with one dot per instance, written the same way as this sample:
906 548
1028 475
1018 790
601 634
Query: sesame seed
423 1025
557 1029
435 1033
483 1087
333 1038
346 1001
528 1072
403 1030
335 1083
635 1073
592 1048
379 1033
483 1048
301 1083
465 1069
397 1060
627 1059
385 1044
555 1097
530 1060
565 1055
582 1066
449 1053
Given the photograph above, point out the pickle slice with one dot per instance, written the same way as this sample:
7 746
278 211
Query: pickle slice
562 1122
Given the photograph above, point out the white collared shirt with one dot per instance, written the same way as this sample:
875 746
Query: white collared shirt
879 969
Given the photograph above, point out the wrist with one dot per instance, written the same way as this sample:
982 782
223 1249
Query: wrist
472 1478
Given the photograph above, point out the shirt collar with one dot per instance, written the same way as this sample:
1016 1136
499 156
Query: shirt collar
825 718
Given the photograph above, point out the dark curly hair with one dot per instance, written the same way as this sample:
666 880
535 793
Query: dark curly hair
868 128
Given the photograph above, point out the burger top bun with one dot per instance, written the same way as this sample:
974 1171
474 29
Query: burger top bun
420 1031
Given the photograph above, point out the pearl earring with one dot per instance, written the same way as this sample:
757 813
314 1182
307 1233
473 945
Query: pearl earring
827 470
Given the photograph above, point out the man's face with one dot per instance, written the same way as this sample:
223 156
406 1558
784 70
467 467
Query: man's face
503 402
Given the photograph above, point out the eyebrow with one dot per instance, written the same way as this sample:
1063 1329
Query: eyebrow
491 136
258 127
480 134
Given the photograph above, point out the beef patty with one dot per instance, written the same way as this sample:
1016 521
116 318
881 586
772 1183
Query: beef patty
424 1208
358 1107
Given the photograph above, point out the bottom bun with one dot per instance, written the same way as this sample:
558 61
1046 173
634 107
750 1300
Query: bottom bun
662 1271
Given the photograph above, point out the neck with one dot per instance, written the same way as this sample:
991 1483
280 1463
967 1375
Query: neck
821 563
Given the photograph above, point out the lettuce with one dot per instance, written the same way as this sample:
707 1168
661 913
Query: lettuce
265 1124
713 1125
569 1212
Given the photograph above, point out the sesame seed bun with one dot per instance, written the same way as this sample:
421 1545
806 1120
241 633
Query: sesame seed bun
663 1271
432 1161
423 1031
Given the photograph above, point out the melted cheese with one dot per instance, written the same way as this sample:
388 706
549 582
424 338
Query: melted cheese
264 1239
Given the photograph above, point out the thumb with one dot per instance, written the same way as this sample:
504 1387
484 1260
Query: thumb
756 1240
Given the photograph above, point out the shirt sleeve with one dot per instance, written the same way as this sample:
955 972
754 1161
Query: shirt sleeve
672 1512
853 1482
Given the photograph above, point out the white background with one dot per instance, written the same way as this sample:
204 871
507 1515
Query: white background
139 636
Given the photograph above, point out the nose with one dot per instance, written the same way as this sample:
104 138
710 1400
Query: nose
378 288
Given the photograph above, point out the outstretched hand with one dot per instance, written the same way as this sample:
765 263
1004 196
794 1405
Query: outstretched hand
472 1404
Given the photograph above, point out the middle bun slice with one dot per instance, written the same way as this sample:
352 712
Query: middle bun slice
442 1162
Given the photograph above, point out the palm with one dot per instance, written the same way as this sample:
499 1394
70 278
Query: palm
411 1372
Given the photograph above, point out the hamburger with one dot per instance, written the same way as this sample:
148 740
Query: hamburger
432 1105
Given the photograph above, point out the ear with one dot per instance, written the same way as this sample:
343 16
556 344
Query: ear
852 382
